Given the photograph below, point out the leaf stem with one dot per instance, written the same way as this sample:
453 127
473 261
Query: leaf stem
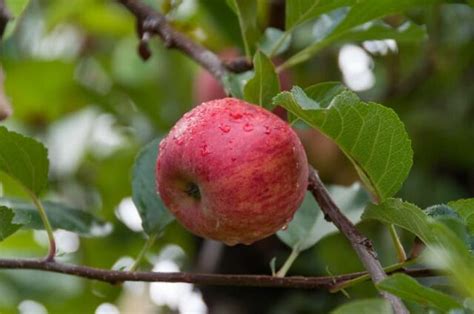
47 227
402 256
289 261
351 282
148 244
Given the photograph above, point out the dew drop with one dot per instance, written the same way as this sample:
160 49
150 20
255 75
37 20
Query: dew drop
267 130
248 127
224 128
284 227
235 115
162 145
204 150
231 243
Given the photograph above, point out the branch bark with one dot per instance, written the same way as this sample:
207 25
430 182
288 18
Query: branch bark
361 244
114 277
150 21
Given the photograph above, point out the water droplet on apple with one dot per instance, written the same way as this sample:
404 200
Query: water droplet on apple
204 150
267 130
224 128
248 127
231 243
284 227
162 145
179 141
235 115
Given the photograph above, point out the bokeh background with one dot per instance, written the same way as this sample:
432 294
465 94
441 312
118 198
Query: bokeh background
75 82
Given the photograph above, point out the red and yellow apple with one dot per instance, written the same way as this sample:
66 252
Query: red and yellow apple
232 171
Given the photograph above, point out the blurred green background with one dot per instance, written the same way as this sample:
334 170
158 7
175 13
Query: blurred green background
76 83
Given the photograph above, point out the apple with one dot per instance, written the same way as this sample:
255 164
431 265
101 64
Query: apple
232 171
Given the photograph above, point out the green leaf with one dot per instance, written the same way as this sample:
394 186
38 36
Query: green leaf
406 32
409 289
368 306
402 214
246 11
367 10
60 217
300 11
264 85
451 219
445 250
371 135
449 254
155 216
417 221
234 83
308 225
271 38
8 224
465 208
24 159
16 8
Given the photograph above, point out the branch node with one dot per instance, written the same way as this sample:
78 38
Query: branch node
238 65
143 47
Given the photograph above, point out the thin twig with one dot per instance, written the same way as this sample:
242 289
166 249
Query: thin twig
114 277
361 244
150 21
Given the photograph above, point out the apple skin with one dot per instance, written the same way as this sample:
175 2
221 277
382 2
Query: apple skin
232 171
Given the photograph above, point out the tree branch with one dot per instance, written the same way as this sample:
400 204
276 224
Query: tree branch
151 22
361 244
114 276
5 17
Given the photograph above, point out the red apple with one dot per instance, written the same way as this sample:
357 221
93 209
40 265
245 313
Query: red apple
232 171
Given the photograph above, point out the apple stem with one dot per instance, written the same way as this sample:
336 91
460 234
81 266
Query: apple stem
289 261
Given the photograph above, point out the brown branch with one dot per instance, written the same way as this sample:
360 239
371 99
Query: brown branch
114 276
361 244
5 17
150 22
